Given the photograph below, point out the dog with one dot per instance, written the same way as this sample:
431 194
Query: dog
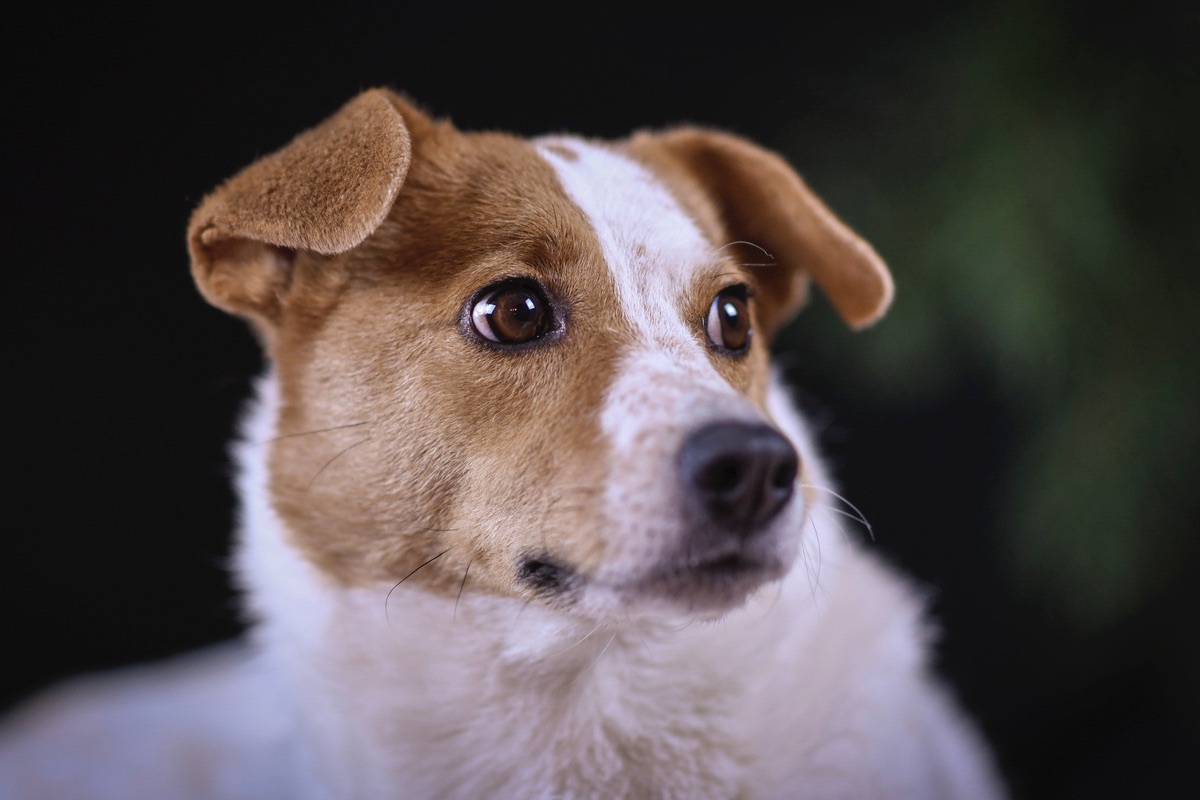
526 510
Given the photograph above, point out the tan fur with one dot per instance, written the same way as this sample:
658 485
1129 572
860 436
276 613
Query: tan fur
324 193
347 293
367 498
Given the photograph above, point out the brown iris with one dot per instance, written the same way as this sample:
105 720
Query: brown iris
513 313
728 321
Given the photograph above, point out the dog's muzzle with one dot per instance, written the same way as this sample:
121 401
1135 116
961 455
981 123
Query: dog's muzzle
738 476
735 479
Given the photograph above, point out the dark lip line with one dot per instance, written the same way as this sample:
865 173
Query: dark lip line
732 567
713 576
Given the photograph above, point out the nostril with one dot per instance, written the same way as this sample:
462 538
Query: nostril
784 475
721 476
740 475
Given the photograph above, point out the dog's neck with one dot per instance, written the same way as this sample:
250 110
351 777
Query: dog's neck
461 692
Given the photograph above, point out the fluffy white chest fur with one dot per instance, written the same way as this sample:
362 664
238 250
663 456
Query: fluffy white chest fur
525 511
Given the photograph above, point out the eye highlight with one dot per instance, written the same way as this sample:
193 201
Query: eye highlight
514 312
728 320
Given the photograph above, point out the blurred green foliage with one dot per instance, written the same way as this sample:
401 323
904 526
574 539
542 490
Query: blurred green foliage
1035 196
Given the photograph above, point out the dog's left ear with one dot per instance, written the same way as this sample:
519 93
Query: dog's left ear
764 203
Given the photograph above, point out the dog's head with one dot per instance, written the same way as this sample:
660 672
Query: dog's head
534 368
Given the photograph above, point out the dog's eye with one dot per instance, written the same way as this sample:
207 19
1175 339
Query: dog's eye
728 322
513 313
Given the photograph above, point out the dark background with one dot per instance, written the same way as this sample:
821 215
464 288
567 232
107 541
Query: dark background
1021 431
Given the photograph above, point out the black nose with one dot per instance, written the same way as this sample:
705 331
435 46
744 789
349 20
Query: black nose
740 474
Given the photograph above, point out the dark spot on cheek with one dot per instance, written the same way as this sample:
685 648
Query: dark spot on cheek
545 575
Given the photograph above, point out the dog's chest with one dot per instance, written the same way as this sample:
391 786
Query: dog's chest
494 701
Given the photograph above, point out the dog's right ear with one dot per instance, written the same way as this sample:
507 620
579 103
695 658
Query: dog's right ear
765 204
325 192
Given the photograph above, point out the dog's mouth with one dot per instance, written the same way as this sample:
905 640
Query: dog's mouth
711 582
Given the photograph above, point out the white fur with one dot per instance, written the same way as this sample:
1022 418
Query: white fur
816 688
666 385
651 247
524 702
490 698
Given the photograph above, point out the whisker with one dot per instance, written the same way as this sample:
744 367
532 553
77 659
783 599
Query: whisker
335 458
577 642
282 436
462 586
406 577
857 516
807 564
758 247
814 584
595 660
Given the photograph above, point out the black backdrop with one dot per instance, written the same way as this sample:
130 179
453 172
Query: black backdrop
122 385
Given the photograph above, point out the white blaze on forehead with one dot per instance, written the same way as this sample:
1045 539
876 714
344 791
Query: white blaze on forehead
651 247
665 384
653 251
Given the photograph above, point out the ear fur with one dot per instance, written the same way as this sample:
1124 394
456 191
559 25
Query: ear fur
765 203
324 193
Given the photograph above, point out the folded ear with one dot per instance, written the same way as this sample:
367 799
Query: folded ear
324 192
764 203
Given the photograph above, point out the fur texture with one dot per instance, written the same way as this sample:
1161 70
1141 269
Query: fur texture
525 510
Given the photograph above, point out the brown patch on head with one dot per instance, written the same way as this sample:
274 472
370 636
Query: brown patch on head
475 449
408 444
402 435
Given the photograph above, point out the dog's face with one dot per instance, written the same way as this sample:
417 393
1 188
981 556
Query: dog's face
530 368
